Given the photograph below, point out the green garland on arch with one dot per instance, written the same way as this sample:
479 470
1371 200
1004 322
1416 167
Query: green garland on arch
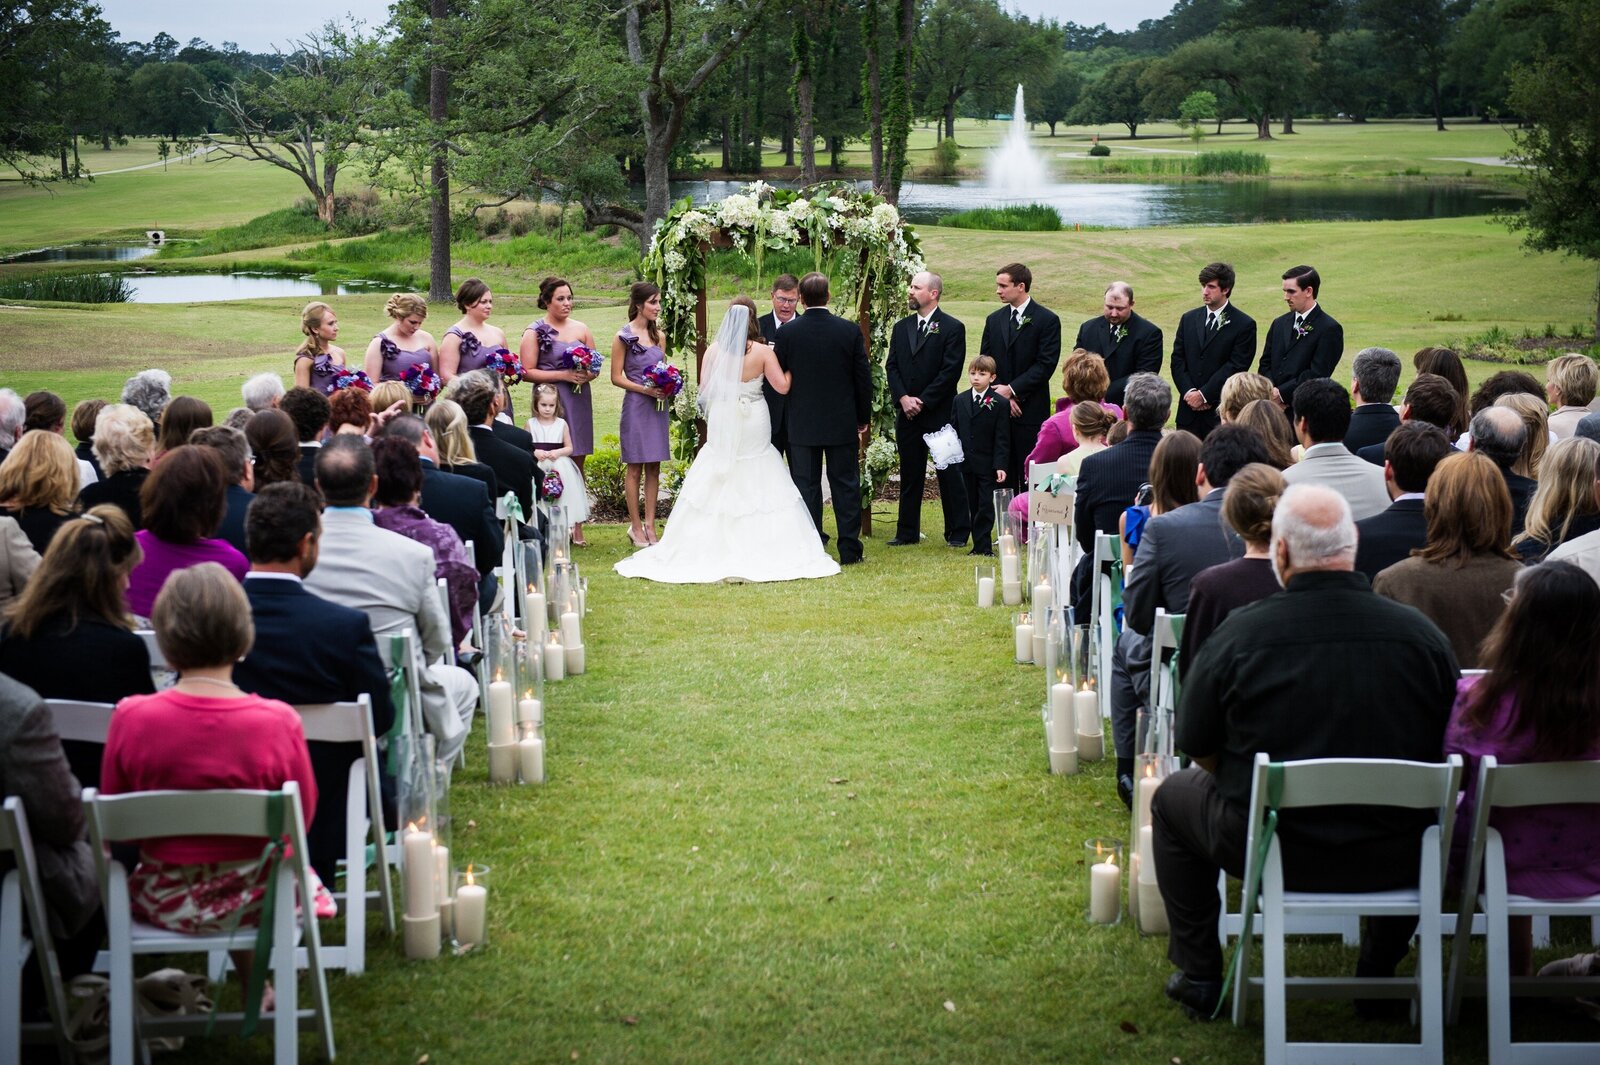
858 239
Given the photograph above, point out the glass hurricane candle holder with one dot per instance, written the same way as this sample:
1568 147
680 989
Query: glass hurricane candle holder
1022 626
1103 859
471 907
985 586
530 579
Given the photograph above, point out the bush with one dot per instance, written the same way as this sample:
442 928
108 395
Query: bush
1208 164
946 156
602 475
1099 151
1030 218
68 288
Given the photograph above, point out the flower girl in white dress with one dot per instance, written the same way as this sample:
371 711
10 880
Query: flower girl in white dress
547 427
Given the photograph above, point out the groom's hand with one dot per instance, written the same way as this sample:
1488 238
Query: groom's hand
911 405
1004 390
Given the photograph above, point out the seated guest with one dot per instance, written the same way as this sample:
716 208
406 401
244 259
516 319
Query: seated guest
39 486
478 392
386 394
1536 421
1171 485
1177 544
1458 577
1218 591
34 769
1084 380
234 450
1429 400
83 418
350 411
1499 433
459 502
1445 363
262 392
181 417
68 635
1589 428
183 502
274 449
309 411
308 650
1268 421
1566 504
1369 652
205 884
150 391
13 413
1570 382
1411 454
1374 378
390 579
47 412
454 443
1239 391
124 441
1321 419
1503 383
238 418
1538 702
1090 424
396 507
18 560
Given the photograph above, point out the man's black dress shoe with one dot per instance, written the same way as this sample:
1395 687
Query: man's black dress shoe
1198 998
1125 789
955 543
901 542
975 551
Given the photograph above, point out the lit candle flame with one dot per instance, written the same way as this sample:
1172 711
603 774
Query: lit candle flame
1111 859
469 874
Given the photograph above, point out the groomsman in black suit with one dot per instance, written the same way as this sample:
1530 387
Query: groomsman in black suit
1214 341
785 305
1303 343
1024 340
830 406
926 350
1128 343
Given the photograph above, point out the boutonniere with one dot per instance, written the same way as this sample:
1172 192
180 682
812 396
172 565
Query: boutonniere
987 402
1025 320
1118 333
1302 331
1222 319
933 329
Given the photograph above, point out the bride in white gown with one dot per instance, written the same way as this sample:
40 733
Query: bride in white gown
738 515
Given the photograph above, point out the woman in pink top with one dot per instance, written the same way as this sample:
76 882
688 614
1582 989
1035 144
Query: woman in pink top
181 504
1083 379
204 733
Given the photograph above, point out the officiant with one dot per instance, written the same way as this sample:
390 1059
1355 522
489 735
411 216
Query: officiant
927 350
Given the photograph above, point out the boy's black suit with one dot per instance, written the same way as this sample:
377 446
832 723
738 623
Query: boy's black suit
984 426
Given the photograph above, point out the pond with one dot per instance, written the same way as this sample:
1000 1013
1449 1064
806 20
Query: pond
84 253
1188 203
214 288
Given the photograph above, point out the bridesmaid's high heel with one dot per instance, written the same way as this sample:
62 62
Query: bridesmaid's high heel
636 541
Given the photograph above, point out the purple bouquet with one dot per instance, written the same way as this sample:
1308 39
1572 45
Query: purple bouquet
553 486
352 379
505 363
422 380
582 357
668 378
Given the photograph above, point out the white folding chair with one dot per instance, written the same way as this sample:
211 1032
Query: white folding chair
164 814
1166 634
403 652
351 722
1104 592
1508 787
80 722
22 896
161 673
1345 782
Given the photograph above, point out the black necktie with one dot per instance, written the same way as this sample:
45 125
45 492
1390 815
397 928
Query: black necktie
1211 320
1016 319
1299 320
922 328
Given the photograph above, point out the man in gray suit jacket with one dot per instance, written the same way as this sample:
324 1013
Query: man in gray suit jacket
390 579
1321 420
1172 550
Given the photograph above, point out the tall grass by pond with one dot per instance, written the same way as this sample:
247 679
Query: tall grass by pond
1015 218
1232 163
68 288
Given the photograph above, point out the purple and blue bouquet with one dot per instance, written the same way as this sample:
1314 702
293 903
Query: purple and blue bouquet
422 380
352 379
553 486
505 362
582 357
668 378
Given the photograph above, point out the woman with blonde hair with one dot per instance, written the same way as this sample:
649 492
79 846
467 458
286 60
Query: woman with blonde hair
319 361
1458 576
1239 390
1536 418
402 345
1091 422
386 394
1269 420
1565 505
124 442
1247 507
1571 381
448 424
39 486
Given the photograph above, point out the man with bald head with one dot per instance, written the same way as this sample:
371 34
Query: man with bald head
1326 669
927 349
1500 433
1128 343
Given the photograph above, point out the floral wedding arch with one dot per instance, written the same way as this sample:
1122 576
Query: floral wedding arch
860 241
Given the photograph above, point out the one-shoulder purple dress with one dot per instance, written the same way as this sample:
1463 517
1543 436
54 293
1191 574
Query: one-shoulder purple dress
324 371
645 430
474 356
397 360
578 405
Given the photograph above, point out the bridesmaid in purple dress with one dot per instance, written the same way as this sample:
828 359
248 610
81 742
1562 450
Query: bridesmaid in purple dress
404 344
544 344
468 344
645 443
319 360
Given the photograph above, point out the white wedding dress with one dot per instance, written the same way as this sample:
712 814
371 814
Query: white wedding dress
737 516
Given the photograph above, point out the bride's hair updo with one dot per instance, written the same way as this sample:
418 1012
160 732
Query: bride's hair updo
548 289
638 296
753 332
311 319
404 305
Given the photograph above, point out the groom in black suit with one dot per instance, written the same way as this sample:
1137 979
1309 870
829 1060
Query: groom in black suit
1024 340
1303 343
785 304
1128 343
1214 341
926 350
830 406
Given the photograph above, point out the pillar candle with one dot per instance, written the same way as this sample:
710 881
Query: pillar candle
574 659
1087 704
1041 596
1011 591
501 719
1091 746
555 660
421 936
1010 568
1147 853
1147 790
1105 884
986 592
1063 763
1025 642
417 850
447 917
502 763
1037 655
1062 727
535 621
530 757
530 711
441 872
1008 545
472 906
570 632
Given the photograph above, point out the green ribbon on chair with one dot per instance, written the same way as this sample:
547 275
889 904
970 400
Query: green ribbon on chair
1252 882
513 508
1058 481
273 855
400 699
1172 663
